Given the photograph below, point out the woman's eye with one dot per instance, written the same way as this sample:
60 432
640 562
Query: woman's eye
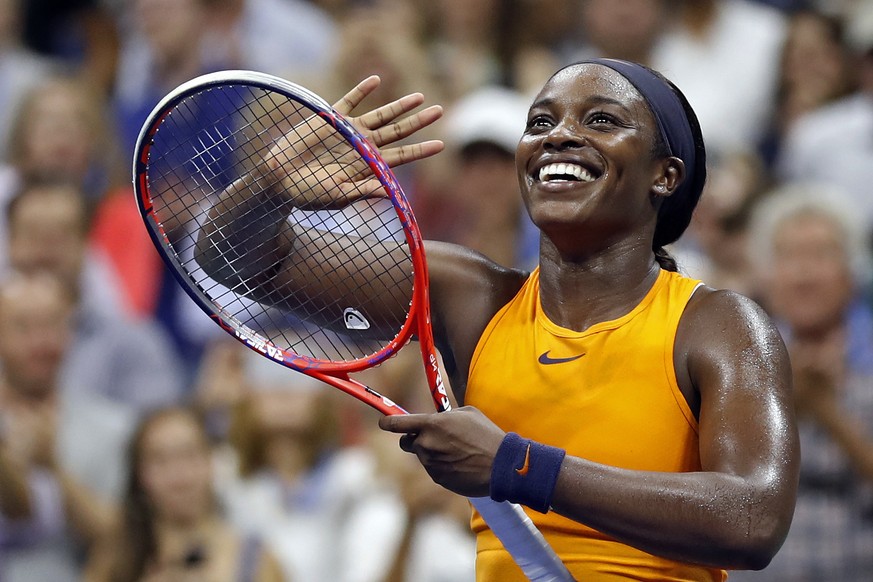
538 121
601 117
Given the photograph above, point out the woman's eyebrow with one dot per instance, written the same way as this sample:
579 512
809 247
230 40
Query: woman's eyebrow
544 102
593 100
602 100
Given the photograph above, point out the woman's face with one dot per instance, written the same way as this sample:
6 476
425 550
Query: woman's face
175 468
47 232
585 164
810 283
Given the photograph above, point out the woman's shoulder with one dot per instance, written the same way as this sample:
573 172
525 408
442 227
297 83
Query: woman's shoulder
724 323
710 302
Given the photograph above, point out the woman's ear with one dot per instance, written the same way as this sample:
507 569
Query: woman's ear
671 175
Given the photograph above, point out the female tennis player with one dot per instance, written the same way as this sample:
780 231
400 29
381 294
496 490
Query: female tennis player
643 418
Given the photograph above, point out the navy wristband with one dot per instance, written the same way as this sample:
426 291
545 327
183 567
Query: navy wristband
525 472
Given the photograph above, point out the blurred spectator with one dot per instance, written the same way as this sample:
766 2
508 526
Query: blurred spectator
81 33
621 30
813 264
219 388
714 249
61 452
20 69
833 144
534 40
463 43
380 38
355 513
118 234
293 39
171 528
405 528
725 56
816 69
480 206
163 50
61 133
295 485
129 362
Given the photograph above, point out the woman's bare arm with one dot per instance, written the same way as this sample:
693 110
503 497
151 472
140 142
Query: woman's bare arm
734 513
247 243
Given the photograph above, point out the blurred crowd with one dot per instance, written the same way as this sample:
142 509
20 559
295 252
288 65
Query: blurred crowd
139 443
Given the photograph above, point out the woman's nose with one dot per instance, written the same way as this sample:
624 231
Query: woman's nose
565 134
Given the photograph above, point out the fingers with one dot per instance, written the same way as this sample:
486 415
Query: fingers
386 127
363 190
385 114
354 97
386 134
407 442
412 152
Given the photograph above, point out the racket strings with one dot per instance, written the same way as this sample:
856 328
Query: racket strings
351 293
326 300
245 289
384 260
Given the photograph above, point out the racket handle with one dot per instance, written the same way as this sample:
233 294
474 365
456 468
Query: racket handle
522 540
512 526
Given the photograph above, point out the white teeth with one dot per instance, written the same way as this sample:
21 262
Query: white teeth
565 172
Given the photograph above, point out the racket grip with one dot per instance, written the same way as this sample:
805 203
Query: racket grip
524 542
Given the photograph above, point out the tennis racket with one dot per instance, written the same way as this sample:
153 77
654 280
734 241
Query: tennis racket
290 231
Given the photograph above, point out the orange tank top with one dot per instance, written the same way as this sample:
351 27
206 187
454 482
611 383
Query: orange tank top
607 394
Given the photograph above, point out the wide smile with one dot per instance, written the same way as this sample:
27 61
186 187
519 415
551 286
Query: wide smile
564 172
560 174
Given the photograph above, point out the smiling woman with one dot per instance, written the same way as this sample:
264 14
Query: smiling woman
674 143
643 418
667 452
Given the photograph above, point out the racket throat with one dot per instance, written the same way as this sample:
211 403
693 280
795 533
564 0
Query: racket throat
386 400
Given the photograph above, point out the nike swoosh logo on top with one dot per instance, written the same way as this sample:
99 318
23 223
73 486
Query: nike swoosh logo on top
525 467
545 359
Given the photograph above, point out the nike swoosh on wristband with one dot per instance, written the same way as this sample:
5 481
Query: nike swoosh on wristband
545 359
525 467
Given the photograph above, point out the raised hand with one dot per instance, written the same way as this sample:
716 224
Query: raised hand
246 236
382 127
314 169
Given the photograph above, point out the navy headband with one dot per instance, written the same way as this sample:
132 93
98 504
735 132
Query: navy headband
665 106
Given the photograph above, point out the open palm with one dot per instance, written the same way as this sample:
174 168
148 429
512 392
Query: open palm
314 168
